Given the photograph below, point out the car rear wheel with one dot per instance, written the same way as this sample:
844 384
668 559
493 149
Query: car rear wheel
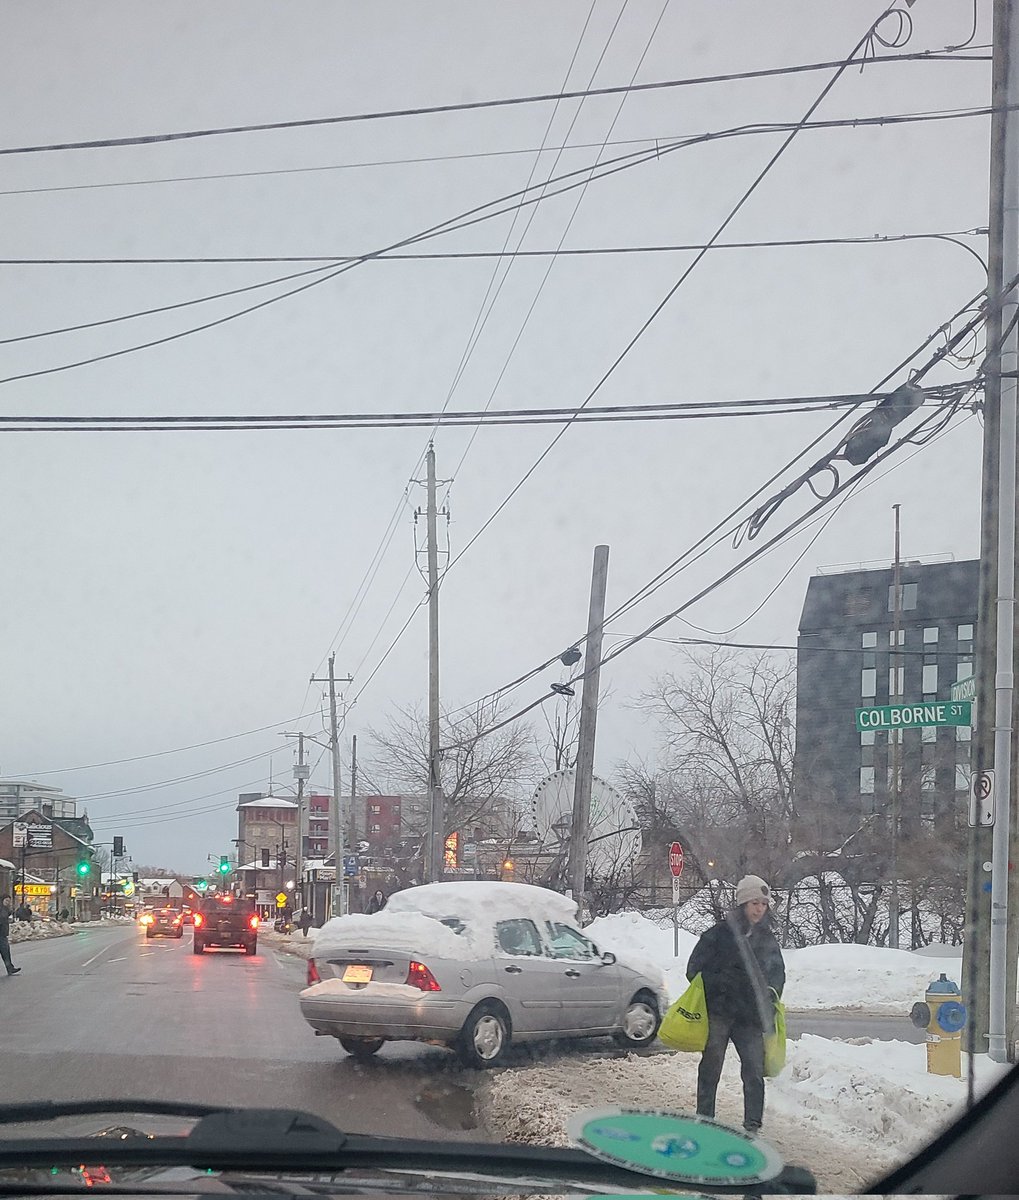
251 948
485 1037
180 933
148 933
362 1047
198 947
639 1025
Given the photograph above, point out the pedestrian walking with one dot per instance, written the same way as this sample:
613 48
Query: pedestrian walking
5 936
378 901
305 921
23 913
739 960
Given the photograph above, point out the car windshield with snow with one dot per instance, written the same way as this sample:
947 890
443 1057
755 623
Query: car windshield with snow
509 557
475 967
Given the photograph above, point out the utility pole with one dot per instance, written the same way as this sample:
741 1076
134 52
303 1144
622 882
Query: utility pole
353 791
301 774
895 660
336 823
976 957
1005 363
588 724
436 816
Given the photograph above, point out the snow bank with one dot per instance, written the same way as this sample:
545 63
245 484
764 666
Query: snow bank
37 931
865 978
847 1111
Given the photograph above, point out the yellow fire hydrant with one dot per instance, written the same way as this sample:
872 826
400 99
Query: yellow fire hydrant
943 1015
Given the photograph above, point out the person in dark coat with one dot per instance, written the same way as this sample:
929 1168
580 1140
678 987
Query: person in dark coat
740 960
5 933
305 921
378 901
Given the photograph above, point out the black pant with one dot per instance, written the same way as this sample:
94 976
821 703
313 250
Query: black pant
5 954
749 1042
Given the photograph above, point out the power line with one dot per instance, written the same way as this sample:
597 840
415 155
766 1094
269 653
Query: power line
151 787
478 105
462 221
497 418
875 239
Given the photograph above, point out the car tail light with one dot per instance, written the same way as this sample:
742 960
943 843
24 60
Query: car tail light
253 922
199 920
419 976
313 975
146 920
176 920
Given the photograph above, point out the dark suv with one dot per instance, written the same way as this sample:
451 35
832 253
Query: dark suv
226 920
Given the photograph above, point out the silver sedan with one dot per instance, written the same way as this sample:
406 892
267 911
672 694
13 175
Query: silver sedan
448 970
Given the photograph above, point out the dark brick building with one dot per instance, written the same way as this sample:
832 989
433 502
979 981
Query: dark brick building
844 662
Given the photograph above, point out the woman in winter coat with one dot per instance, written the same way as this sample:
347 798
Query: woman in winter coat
739 960
377 903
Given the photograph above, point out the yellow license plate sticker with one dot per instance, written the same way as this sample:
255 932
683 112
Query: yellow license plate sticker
357 974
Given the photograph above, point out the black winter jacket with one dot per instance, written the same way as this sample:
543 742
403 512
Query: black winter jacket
739 962
5 921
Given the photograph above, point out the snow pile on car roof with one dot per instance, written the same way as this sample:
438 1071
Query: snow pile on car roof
484 902
413 933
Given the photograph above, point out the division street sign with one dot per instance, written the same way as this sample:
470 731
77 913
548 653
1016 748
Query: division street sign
965 689
914 716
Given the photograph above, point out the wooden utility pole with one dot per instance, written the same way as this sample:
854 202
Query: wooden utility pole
353 791
336 822
897 671
436 815
588 726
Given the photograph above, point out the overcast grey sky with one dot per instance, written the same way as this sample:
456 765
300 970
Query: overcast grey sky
166 589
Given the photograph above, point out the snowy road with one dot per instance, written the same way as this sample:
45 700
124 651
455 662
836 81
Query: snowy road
107 1013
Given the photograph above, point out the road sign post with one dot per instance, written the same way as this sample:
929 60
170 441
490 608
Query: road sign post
676 869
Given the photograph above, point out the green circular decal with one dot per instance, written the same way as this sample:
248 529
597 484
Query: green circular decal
674 1146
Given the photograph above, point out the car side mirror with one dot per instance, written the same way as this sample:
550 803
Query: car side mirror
608 959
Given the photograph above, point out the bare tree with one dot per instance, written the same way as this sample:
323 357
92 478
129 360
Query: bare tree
486 773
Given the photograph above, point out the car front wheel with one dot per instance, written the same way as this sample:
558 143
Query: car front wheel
639 1026
485 1037
362 1047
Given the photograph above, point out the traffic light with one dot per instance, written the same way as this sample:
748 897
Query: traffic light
134 876
83 868
874 430
118 847
265 859
224 865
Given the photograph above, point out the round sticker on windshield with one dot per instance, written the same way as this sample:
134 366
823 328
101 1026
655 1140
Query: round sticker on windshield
670 1145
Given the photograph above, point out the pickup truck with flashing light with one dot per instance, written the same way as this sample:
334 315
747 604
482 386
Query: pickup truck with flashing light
225 920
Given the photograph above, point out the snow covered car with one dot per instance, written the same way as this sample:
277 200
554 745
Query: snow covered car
474 966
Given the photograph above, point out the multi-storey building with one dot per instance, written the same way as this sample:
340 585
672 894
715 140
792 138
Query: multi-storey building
847 659
19 796
266 823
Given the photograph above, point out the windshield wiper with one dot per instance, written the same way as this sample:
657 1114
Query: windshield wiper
286 1140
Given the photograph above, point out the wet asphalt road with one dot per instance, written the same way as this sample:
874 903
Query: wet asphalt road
108 1013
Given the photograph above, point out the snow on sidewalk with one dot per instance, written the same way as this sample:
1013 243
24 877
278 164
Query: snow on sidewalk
868 979
848 1111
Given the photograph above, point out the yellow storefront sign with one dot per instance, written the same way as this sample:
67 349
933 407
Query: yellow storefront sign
33 889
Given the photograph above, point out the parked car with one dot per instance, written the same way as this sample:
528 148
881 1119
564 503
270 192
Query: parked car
474 966
163 922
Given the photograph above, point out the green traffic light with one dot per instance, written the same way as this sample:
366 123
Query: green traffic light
84 868
224 866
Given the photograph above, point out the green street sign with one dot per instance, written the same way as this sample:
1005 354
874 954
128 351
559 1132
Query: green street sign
965 689
914 716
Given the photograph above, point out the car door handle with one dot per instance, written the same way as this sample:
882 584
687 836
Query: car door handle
573 974
513 970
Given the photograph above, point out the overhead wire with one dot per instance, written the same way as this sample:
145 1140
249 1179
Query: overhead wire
472 105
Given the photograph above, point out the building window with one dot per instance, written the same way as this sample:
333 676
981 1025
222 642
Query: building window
961 777
891 637
930 634
928 733
866 756
868 682
928 779
869 641
868 737
376 808
907 597
930 680
964 669
867 781
963 733
965 633
896 680
376 829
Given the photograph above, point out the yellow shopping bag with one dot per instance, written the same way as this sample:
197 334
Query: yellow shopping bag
774 1043
685 1025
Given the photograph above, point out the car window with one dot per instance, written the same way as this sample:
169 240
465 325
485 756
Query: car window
519 936
453 923
565 942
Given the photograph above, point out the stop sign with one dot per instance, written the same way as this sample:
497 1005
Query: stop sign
676 859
